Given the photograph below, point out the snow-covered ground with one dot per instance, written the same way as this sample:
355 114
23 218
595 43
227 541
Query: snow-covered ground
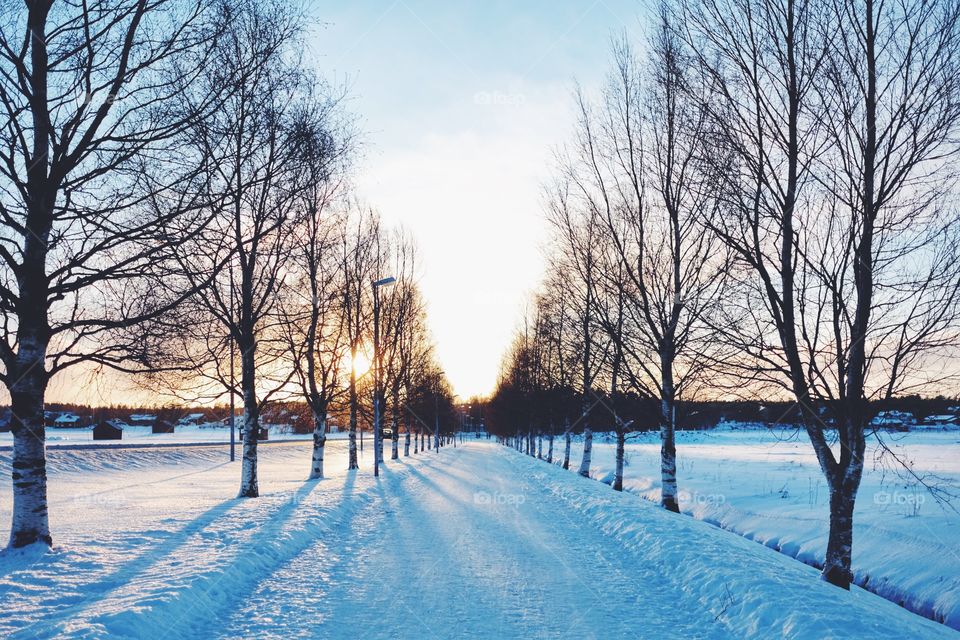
476 541
144 435
766 485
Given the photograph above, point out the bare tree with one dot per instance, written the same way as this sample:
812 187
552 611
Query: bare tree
358 257
404 336
255 176
92 96
576 271
312 312
637 164
838 120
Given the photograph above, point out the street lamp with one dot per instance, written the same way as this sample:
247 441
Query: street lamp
376 370
233 430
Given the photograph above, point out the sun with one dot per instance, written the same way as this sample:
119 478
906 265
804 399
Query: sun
360 364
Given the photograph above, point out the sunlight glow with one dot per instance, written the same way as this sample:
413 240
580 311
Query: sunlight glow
360 364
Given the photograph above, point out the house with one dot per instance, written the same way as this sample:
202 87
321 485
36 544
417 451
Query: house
142 419
108 430
262 434
67 420
894 420
191 419
944 421
162 426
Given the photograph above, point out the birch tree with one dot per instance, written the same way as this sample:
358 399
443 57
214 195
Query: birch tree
92 99
575 267
638 164
313 321
254 175
840 121
358 263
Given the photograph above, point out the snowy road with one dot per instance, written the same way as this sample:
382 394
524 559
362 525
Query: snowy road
462 546
476 541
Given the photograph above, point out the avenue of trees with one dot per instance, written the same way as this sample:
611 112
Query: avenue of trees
762 204
176 204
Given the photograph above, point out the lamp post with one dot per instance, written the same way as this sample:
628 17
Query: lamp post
233 432
376 370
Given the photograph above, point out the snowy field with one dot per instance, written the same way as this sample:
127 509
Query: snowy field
476 541
767 486
144 436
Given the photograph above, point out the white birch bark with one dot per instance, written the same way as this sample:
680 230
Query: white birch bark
587 453
30 522
618 473
319 443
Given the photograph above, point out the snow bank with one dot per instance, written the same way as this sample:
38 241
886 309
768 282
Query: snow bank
755 592
766 486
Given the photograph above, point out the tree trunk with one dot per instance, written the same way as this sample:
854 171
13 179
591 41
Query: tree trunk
844 484
26 375
587 453
539 447
353 463
837 564
618 474
668 445
668 468
566 449
249 486
406 443
395 424
319 442
30 522
550 448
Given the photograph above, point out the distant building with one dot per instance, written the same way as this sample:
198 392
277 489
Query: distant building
67 420
262 434
191 419
944 421
895 420
108 430
162 426
142 419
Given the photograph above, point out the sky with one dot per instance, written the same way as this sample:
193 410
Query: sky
461 106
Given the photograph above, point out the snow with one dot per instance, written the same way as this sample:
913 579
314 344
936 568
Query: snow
473 541
766 485
141 435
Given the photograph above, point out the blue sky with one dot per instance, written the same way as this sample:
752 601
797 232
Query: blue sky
462 105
